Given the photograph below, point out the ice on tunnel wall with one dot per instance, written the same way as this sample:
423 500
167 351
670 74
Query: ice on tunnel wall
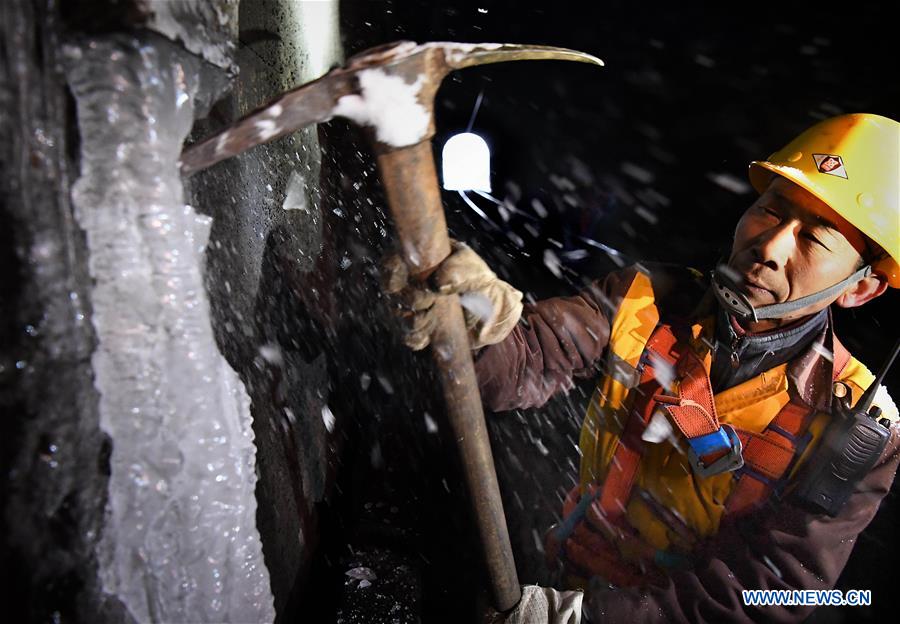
180 542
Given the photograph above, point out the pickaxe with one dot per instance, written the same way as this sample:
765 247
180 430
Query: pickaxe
389 90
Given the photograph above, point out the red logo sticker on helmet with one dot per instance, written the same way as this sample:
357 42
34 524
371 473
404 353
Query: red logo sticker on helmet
830 164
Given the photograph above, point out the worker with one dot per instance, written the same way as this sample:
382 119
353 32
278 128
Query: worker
700 446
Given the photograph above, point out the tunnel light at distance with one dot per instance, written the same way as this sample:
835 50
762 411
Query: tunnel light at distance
466 162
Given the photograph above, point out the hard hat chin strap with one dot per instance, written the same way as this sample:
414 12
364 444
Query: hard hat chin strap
729 294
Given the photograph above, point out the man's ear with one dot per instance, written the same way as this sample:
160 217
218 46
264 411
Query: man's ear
863 291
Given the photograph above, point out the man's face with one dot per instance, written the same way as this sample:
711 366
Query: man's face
790 244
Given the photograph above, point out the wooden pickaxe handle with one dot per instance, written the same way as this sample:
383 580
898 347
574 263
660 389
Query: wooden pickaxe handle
410 182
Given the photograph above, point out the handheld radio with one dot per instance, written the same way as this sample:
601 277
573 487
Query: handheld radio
850 446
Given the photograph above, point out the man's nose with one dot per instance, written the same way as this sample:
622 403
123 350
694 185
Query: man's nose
775 246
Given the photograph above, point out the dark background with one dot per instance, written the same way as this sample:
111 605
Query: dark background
647 155
634 155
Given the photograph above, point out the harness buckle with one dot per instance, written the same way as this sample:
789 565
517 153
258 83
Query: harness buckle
725 439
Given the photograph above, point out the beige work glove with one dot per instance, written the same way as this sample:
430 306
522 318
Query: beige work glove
542 605
491 306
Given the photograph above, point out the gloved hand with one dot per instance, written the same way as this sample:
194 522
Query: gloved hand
542 605
491 306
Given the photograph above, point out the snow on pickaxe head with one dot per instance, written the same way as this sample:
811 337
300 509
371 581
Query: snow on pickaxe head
389 90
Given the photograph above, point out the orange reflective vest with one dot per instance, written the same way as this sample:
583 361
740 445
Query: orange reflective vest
641 506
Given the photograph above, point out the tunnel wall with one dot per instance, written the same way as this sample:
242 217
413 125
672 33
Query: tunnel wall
55 456
76 546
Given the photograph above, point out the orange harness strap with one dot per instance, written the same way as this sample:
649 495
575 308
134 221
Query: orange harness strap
767 458
841 357
594 520
627 456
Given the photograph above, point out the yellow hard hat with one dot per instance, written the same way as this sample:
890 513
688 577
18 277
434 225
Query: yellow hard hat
852 163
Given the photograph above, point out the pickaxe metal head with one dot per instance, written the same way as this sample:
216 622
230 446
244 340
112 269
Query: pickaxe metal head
389 89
